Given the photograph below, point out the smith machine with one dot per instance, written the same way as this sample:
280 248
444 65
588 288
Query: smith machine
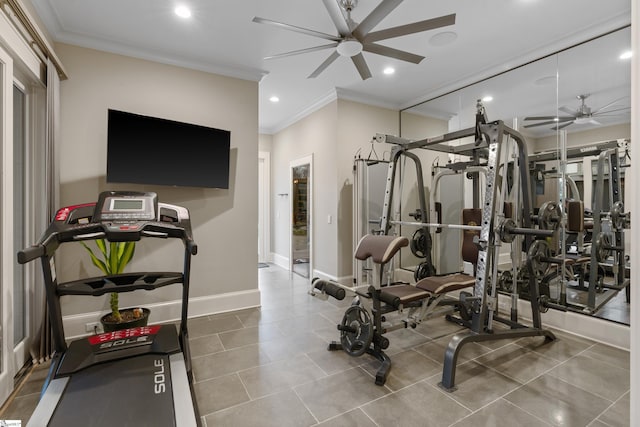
490 142
362 327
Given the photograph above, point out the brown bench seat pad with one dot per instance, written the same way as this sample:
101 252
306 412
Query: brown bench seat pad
406 293
442 284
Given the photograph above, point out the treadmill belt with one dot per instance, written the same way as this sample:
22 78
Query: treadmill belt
130 392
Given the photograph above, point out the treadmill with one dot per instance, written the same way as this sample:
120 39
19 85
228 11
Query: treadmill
133 377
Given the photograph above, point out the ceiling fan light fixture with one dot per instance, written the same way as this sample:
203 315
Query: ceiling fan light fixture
349 48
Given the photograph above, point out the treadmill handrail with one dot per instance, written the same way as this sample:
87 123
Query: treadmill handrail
54 236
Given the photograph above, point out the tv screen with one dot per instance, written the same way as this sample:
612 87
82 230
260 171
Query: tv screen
150 150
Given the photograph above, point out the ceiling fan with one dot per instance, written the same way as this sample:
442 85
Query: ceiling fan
353 38
583 115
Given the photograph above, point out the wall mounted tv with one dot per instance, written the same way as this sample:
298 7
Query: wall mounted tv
150 150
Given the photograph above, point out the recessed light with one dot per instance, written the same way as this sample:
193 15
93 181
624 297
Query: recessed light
389 70
626 55
182 11
487 98
442 39
274 99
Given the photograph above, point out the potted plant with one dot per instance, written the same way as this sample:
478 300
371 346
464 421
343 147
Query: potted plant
114 258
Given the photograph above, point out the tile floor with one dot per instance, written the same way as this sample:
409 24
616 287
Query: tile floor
270 367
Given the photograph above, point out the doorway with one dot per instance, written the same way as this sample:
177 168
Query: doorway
264 239
301 179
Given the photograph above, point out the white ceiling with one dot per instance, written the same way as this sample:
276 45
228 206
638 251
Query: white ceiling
220 37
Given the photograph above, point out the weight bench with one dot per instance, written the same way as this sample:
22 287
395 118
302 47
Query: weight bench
437 287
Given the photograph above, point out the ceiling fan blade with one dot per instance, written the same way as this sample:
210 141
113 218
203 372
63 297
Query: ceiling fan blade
361 65
374 18
415 27
561 119
568 111
335 55
562 126
392 53
604 107
297 52
540 124
336 16
296 29
599 114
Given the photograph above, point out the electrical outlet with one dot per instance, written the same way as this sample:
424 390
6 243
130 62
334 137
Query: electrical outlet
93 327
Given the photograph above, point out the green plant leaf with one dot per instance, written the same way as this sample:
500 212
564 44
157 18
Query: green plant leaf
128 250
95 260
102 245
113 258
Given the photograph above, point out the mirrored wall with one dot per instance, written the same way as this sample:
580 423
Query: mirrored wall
573 109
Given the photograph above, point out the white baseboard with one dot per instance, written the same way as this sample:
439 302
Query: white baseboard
280 261
594 328
74 325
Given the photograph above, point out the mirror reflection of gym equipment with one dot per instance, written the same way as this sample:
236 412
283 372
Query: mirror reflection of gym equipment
301 217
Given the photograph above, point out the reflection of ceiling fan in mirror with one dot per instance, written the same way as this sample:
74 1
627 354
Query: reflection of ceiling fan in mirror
583 115
353 38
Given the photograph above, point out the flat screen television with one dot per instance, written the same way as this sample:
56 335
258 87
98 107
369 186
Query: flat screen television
150 150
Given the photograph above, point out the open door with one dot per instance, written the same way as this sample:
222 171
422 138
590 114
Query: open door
301 179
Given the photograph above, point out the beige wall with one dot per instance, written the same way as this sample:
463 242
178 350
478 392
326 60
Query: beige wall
599 134
333 134
224 221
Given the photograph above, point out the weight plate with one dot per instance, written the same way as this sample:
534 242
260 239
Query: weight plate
420 243
505 282
538 252
601 246
617 215
549 216
356 331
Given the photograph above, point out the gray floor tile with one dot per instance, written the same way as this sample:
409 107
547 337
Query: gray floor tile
477 385
259 316
561 349
337 360
611 355
435 350
248 336
438 327
212 325
417 405
301 324
277 376
339 393
220 393
404 339
618 415
407 367
293 345
558 402
21 408
597 377
355 418
207 344
517 362
498 414
283 357
277 410
227 362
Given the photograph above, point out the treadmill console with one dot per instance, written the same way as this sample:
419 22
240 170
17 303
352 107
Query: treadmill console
126 207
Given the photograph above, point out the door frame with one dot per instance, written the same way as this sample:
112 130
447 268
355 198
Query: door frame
292 164
7 258
264 197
